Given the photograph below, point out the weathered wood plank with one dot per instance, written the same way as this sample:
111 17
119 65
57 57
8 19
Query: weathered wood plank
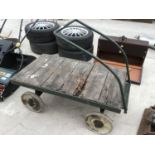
30 69
71 77
76 81
114 94
110 93
104 92
45 71
94 83
57 79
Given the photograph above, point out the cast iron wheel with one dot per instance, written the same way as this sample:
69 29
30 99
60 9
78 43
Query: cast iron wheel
98 123
44 48
32 102
79 55
41 32
79 35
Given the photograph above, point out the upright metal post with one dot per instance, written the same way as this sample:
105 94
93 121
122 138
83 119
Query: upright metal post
29 31
20 29
3 25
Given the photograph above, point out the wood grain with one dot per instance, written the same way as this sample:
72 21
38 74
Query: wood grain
88 81
95 83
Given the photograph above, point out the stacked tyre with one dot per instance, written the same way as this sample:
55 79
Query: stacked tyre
41 37
79 35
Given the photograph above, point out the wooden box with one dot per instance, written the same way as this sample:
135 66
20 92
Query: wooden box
135 50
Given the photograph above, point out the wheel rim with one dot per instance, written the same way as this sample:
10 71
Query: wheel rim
98 123
31 103
42 25
74 32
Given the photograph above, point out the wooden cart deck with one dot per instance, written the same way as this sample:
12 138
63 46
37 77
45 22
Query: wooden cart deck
81 81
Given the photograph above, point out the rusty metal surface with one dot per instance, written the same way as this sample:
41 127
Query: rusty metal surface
132 47
145 127
135 67
136 51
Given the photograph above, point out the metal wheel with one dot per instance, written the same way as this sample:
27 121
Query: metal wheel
74 32
32 102
42 25
81 36
98 123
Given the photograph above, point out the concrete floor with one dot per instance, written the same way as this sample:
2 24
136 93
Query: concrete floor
63 116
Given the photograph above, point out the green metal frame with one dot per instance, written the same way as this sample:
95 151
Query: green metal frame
75 98
125 93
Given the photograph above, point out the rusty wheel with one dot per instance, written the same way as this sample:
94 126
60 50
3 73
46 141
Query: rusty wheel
32 102
98 123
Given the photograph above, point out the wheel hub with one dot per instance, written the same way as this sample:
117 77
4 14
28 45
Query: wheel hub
98 123
74 32
32 102
42 25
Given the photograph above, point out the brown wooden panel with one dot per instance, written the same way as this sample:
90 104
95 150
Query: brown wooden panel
30 69
45 71
114 97
76 81
105 87
57 79
111 92
72 77
95 83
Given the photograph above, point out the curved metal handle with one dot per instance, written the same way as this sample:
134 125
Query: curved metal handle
115 43
96 58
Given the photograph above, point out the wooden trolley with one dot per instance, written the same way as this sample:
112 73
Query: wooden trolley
86 82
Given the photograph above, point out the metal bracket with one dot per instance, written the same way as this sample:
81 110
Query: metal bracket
38 93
